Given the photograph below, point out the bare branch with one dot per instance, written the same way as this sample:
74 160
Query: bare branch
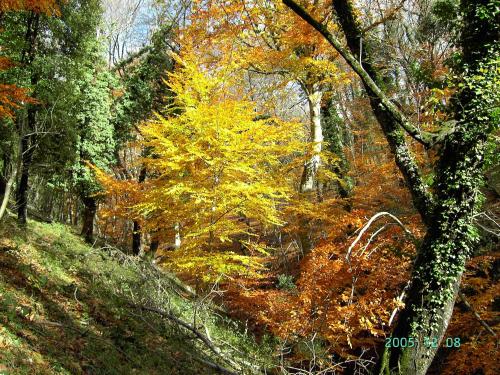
390 15
476 315
208 343
370 222
426 138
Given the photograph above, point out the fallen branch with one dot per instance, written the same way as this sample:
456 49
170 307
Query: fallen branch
476 315
215 366
189 327
208 343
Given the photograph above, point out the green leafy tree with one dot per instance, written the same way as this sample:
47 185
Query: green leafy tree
49 52
96 142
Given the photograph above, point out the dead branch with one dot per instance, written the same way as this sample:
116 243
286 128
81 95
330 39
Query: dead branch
204 339
215 366
370 222
390 15
476 315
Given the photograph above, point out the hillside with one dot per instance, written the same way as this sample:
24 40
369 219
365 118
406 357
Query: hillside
67 308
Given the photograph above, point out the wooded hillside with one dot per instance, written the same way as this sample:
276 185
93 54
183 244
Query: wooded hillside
326 172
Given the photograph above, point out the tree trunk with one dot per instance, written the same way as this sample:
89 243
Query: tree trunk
449 214
7 188
5 173
136 238
27 141
137 233
27 150
309 176
89 213
153 247
334 130
449 240
6 195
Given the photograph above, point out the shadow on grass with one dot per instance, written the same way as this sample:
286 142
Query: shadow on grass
63 321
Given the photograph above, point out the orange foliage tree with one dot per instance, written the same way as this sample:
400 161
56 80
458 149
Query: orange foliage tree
48 7
267 41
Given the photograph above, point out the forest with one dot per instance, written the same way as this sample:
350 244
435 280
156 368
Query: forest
249 187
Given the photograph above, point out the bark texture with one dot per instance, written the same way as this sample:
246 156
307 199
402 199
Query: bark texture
89 214
27 134
448 242
27 150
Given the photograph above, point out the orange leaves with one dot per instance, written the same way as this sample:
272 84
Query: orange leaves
481 288
48 7
264 36
342 301
13 97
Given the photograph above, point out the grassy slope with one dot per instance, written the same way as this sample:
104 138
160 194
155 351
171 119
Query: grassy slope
65 308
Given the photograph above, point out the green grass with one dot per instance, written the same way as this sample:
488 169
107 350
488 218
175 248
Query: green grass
67 308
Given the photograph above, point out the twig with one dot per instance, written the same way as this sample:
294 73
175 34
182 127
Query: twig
476 315
370 222
187 326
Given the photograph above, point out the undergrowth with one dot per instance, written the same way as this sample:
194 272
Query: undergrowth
67 308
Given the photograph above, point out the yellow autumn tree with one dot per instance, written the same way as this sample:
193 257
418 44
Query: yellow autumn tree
272 43
214 167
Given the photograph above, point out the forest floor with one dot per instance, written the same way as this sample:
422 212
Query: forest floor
67 308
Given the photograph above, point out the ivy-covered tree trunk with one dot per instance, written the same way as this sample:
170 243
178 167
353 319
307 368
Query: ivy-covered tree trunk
334 133
449 240
89 213
391 128
449 212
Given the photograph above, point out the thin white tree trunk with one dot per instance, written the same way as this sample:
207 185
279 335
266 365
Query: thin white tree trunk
177 243
6 195
311 167
8 187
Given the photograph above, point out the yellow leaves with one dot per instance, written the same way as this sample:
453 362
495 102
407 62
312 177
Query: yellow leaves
213 167
210 266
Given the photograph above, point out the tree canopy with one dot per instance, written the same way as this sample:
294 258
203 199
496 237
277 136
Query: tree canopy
326 172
